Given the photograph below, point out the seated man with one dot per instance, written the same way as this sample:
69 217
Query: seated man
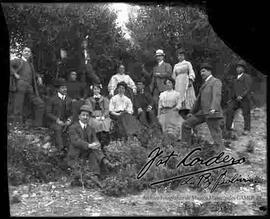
59 112
85 146
143 105
76 90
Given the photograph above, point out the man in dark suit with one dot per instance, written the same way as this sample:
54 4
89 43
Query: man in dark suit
85 146
26 86
206 108
241 97
160 72
143 105
77 91
59 112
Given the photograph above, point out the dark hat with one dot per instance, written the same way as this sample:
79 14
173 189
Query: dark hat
60 82
180 51
242 63
121 83
207 66
86 108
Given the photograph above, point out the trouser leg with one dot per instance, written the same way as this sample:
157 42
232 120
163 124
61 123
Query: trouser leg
245 105
39 109
188 125
216 132
232 107
58 130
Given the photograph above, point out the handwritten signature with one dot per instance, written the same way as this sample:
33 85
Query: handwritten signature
156 158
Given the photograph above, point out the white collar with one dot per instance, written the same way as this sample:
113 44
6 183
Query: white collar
82 124
210 76
239 76
182 61
24 59
160 63
97 96
61 96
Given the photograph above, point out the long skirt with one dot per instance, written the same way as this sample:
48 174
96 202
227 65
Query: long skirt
187 94
171 122
98 124
127 124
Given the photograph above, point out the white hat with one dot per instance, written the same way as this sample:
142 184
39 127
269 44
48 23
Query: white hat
160 52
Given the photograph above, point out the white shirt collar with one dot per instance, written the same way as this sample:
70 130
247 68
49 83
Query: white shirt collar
160 62
82 124
61 96
239 76
97 96
210 76
24 59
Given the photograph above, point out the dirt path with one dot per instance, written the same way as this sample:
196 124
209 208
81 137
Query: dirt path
58 199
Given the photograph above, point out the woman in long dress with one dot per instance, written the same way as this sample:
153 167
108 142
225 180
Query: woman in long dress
122 77
100 118
184 76
168 110
121 110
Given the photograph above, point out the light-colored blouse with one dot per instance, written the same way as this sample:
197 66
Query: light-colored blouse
115 79
120 103
184 67
168 99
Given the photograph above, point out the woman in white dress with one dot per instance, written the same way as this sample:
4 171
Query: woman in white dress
122 77
168 110
184 76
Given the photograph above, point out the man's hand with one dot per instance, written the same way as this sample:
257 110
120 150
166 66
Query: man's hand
212 111
59 122
135 91
140 110
39 80
239 98
190 82
149 108
94 145
68 122
157 74
17 76
73 100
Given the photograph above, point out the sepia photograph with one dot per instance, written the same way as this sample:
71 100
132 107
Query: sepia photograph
131 109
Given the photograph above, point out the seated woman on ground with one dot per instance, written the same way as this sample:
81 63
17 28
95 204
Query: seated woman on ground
122 77
121 110
100 118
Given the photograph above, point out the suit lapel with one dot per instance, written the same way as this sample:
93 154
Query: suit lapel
206 83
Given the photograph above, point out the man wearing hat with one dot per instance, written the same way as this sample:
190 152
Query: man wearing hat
143 105
161 71
26 80
206 108
241 97
59 112
85 146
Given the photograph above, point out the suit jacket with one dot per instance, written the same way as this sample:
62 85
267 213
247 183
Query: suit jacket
242 86
209 97
57 108
79 145
103 103
142 101
20 66
158 80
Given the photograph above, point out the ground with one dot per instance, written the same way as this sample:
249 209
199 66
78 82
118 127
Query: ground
59 199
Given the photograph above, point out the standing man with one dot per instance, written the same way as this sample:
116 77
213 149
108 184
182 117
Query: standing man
77 91
241 97
206 108
160 72
85 146
26 86
59 112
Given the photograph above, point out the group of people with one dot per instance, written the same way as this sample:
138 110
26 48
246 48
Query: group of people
169 101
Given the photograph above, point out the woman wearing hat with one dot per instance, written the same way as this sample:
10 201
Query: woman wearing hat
121 110
119 77
100 119
168 108
184 76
